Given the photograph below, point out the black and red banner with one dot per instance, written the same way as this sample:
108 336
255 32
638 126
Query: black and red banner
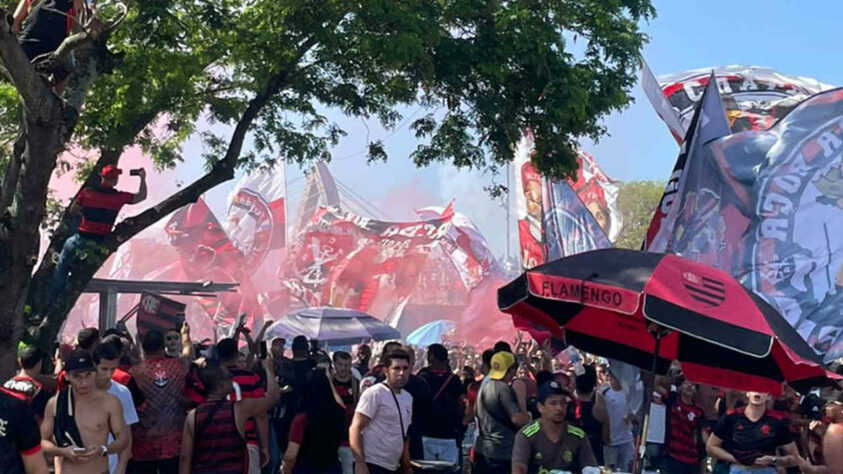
158 312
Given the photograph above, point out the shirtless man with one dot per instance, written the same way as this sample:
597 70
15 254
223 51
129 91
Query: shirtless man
78 420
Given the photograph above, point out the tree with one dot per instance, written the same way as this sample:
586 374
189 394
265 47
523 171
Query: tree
266 68
637 201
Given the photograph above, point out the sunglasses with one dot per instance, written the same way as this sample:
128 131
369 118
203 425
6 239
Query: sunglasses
173 338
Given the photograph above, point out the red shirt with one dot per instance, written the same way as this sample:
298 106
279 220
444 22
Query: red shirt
250 387
683 425
157 435
297 428
100 207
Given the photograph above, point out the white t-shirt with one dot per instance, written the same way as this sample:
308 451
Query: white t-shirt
658 422
383 440
618 408
130 416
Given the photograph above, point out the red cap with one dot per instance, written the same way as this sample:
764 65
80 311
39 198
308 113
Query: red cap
110 172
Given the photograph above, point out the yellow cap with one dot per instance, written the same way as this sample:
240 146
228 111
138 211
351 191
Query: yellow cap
501 362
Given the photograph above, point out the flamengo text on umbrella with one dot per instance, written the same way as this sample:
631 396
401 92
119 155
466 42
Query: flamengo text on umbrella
582 292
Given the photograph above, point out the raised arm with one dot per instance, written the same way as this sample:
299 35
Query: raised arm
254 407
21 12
142 191
186 344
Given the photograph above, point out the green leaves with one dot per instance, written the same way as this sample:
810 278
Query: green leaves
495 67
637 201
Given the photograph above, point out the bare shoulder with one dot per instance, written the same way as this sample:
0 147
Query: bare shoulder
110 402
835 431
51 404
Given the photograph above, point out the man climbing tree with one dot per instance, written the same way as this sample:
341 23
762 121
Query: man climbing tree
99 207
44 26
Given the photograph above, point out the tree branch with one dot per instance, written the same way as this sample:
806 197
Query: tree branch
10 181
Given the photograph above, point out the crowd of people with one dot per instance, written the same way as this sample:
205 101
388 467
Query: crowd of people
168 405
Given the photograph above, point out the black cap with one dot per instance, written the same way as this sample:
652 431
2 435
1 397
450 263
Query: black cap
438 352
79 361
551 388
812 407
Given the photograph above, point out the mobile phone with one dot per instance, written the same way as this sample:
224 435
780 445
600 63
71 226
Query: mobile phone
135 172
263 350
79 450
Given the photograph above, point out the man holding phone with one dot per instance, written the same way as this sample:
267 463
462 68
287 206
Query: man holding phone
79 419
99 207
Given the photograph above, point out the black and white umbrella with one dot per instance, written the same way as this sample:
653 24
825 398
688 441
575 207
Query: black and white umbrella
333 326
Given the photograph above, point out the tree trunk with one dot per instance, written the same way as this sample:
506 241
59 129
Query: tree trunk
21 242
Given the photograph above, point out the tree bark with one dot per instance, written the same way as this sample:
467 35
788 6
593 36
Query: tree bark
47 124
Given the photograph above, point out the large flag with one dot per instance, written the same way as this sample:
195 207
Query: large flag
708 123
754 97
529 207
349 261
201 241
256 214
598 192
768 208
569 226
465 245
669 114
580 213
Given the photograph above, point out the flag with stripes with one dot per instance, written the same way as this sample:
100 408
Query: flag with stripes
158 312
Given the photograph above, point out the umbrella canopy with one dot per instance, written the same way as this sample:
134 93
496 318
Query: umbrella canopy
334 326
431 333
607 301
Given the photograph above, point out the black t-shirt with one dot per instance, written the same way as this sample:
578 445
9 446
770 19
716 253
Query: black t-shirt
32 391
294 373
446 421
747 440
18 432
420 390
45 27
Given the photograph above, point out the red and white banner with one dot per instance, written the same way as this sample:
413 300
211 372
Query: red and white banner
256 220
599 193
753 97
528 187
346 260
207 254
465 246
581 212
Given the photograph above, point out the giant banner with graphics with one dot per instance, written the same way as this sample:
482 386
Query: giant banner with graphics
754 97
560 218
346 260
768 208
256 214
465 245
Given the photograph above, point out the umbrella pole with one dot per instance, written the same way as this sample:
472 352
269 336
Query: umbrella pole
638 467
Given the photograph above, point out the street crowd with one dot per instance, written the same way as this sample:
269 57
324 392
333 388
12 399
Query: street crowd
167 405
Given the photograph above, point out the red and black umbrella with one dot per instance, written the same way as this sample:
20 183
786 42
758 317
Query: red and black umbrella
607 302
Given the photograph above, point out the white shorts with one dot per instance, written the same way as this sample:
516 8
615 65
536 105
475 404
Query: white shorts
620 456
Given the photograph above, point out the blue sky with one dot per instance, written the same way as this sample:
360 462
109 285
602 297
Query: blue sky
795 38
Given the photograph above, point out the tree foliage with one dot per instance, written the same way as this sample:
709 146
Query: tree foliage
637 201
